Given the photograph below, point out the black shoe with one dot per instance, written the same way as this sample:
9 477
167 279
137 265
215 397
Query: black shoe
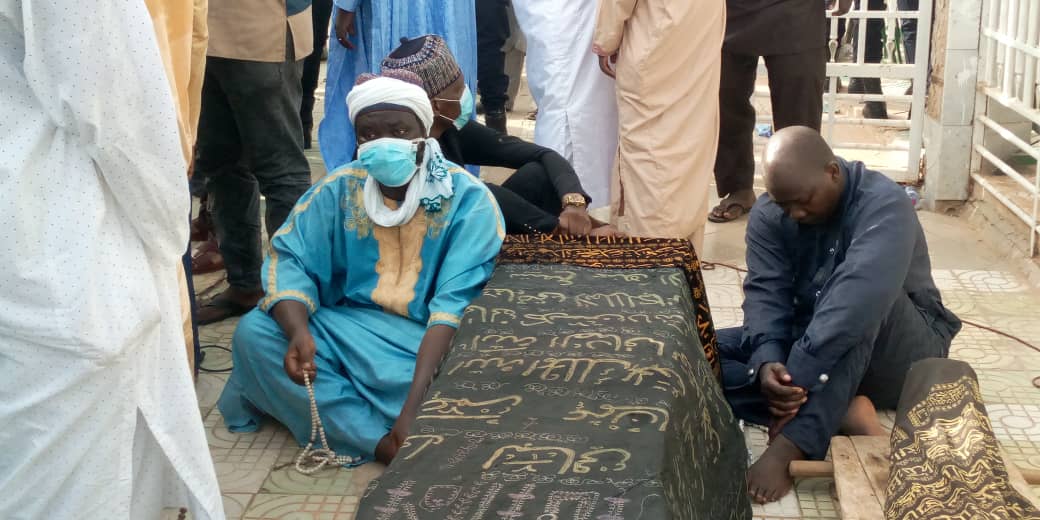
496 120
856 86
875 110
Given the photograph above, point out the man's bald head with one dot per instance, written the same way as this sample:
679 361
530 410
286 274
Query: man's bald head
802 174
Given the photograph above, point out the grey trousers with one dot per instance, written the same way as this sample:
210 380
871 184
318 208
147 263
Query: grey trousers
251 143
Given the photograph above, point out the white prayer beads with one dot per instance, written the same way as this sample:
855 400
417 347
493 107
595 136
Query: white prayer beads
311 460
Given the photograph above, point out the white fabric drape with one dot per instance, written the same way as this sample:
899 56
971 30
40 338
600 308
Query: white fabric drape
577 107
93 223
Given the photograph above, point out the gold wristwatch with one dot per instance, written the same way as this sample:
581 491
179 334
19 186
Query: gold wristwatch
576 200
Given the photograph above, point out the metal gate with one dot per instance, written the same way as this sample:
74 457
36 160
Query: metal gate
1006 149
894 145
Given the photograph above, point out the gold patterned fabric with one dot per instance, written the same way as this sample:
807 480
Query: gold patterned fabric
576 389
946 462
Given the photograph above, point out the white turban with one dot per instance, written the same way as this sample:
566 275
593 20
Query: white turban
391 91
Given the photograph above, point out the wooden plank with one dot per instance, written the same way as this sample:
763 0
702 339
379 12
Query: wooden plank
1018 481
811 469
856 496
873 453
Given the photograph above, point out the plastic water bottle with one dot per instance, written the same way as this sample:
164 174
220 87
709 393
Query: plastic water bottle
914 196
764 130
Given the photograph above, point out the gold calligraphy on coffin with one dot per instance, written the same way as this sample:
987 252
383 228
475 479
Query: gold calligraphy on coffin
476 314
422 441
499 343
581 370
595 341
619 300
464 409
652 414
679 322
591 341
564 278
522 297
626 277
477 366
529 458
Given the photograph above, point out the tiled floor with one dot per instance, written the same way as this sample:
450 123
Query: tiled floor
259 482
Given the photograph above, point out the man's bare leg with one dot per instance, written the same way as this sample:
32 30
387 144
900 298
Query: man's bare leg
862 418
768 478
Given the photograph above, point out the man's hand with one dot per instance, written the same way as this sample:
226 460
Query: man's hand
575 221
606 64
784 399
607 231
300 358
839 7
345 27
391 443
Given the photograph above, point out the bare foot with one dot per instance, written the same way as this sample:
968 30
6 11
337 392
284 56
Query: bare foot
768 478
862 418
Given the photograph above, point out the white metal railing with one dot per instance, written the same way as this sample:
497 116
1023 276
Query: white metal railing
898 154
1009 52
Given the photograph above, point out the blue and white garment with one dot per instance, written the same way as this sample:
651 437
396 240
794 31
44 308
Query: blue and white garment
372 293
380 26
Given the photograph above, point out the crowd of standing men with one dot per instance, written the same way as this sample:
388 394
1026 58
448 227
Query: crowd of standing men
621 89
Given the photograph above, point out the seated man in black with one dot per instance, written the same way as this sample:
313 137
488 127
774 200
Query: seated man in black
839 302
543 195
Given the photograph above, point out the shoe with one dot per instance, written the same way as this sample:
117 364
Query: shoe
228 304
207 259
201 226
856 86
496 120
871 109
875 110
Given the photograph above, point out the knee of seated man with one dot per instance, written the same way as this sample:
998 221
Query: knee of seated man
256 331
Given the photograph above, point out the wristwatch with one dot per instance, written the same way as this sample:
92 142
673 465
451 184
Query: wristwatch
576 200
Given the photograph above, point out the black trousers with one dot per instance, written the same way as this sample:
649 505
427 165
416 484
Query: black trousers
321 12
796 84
909 29
250 143
492 33
526 204
876 368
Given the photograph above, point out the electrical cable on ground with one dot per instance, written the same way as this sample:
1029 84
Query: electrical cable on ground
202 359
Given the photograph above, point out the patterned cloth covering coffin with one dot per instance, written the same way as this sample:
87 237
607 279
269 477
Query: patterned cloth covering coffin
946 461
577 389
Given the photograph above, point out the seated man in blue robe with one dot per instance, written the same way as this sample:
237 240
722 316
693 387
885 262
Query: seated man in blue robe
839 302
366 283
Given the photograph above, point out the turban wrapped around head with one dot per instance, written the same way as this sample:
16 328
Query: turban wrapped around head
390 93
